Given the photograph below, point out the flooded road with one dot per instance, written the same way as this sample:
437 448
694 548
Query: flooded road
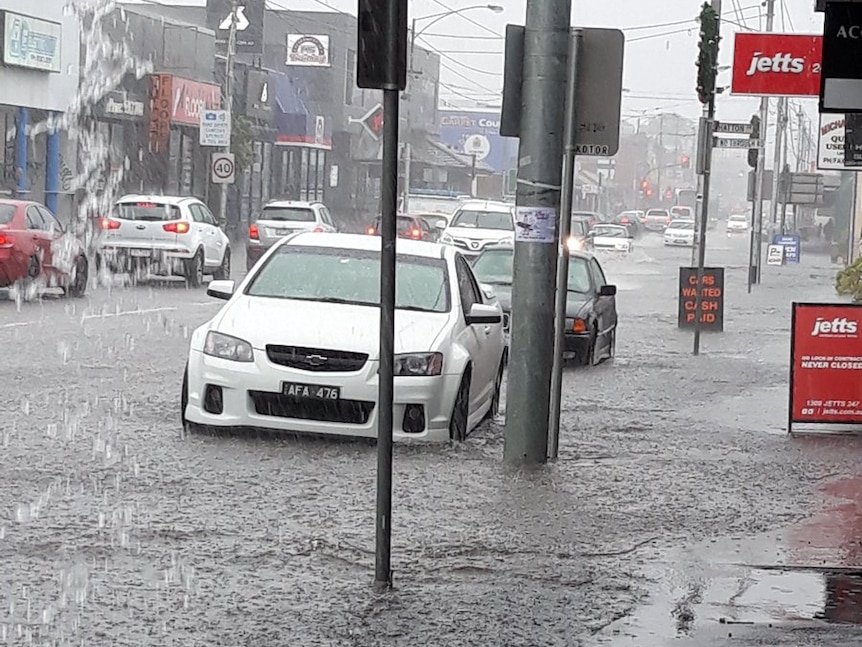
119 529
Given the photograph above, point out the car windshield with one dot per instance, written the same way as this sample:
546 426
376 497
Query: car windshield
501 220
579 275
351 277
681 224
7 212
611 232
739 218
288 214
495 267
656 213
152 211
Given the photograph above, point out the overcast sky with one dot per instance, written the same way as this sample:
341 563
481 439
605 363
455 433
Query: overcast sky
661 45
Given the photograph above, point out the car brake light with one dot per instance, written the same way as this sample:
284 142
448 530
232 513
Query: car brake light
416 233
667 220
370 231
253 233
107 223
317 230
4 240
579 326
181 227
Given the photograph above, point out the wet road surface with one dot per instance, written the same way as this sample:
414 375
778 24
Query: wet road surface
118 529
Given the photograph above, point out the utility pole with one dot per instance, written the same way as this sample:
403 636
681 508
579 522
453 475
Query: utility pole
228 91
710 30
566 201
546 47
660 160
755 253
780 143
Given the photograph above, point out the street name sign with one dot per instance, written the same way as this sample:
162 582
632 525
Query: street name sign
729 142
732 128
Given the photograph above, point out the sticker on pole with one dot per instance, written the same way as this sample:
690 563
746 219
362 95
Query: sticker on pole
223 168
825 364
536 225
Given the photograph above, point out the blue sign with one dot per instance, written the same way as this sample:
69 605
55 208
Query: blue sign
792 246
31 42
478 133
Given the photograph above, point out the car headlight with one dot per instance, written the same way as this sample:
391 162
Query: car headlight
446 239
420 364
575 244
227 347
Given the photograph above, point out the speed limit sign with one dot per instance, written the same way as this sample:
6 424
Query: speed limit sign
223 168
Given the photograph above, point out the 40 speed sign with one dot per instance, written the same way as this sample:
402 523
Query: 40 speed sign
223 168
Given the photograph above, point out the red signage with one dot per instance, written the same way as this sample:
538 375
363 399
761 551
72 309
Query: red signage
826 364
159 127
777 65
191 98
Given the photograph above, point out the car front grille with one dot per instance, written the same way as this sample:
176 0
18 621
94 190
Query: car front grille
317 360
277 405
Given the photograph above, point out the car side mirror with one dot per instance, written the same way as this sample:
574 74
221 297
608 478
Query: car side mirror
590 234
484 314
221 289
439 225
608 291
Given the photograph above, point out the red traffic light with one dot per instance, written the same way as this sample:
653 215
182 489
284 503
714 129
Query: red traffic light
685 160
649 192
644 184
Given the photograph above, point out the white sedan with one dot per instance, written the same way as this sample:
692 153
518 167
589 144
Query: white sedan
296 346
680 233
613 238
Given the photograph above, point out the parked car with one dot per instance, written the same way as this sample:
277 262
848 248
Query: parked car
411 227
437 223
591 311
656 220
737 224
479 223
610 238
579 229
280 218
680 233
35 245
592 218
295 348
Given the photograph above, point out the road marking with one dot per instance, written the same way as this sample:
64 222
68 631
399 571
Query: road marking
127 313
19 324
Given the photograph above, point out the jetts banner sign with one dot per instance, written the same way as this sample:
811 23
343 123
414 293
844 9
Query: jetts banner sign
825 364
776 65
478 133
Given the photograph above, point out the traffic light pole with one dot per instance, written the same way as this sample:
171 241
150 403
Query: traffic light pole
546 48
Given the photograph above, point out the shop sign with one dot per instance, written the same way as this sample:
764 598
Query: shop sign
31 42
769 64
191 99
119 105
791 244
259 95
161 109
825 364
308 51
711 298
830 150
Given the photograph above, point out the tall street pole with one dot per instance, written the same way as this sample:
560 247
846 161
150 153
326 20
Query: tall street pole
566 201
228 91
755 255
546 48
780 126
706 125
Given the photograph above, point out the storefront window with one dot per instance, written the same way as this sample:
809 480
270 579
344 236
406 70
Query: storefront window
320 171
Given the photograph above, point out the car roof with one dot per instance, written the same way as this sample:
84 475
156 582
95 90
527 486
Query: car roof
362 242
610 225
291 203
485 205
159 199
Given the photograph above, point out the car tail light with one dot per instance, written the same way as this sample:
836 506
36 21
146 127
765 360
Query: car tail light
180 227
5 240
624 221
667 220
579 326
371 231
108 223
416 233
253 232
317 230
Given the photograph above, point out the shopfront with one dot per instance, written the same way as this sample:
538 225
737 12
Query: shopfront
180 165
121 122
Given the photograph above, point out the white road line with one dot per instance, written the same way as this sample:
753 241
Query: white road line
18 324
127 313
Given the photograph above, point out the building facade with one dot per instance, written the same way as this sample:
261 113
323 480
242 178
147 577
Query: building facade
38 80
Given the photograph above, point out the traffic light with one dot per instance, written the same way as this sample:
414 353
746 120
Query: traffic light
644 185
685 161
707 60
381 31
755 135
649 192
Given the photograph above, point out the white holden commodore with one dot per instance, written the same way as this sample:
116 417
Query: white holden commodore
296 346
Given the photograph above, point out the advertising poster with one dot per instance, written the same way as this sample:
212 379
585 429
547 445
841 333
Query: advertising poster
536 224
478 133
711 299
830 145
792 244
770 64
826 364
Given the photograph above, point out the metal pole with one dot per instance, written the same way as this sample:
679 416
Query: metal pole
709 114
756 251
566 200
228 91
408 146
780 124
386 382
546 47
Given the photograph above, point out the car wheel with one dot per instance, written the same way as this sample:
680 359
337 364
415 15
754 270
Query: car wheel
223 272
184 397
195 270
461 411
494 410
77 286
612 344
33 268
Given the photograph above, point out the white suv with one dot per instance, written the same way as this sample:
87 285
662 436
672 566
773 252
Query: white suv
164 235
279 218
479 223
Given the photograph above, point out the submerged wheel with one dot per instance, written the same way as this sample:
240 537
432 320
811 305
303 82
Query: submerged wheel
461 411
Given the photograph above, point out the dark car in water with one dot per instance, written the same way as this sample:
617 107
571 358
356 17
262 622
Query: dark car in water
591 309
412 227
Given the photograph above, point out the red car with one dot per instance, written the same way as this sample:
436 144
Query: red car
412 227
34 244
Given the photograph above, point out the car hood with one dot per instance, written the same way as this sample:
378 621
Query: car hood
471 233
575 304
332 326
679 232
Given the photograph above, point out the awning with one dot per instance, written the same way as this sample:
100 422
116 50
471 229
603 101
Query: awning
427 149
294 124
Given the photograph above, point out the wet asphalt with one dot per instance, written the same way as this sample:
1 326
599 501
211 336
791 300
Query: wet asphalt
675 478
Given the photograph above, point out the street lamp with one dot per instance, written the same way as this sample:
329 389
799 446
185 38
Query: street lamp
435 18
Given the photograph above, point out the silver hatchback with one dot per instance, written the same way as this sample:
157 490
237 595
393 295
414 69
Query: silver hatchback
281 218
